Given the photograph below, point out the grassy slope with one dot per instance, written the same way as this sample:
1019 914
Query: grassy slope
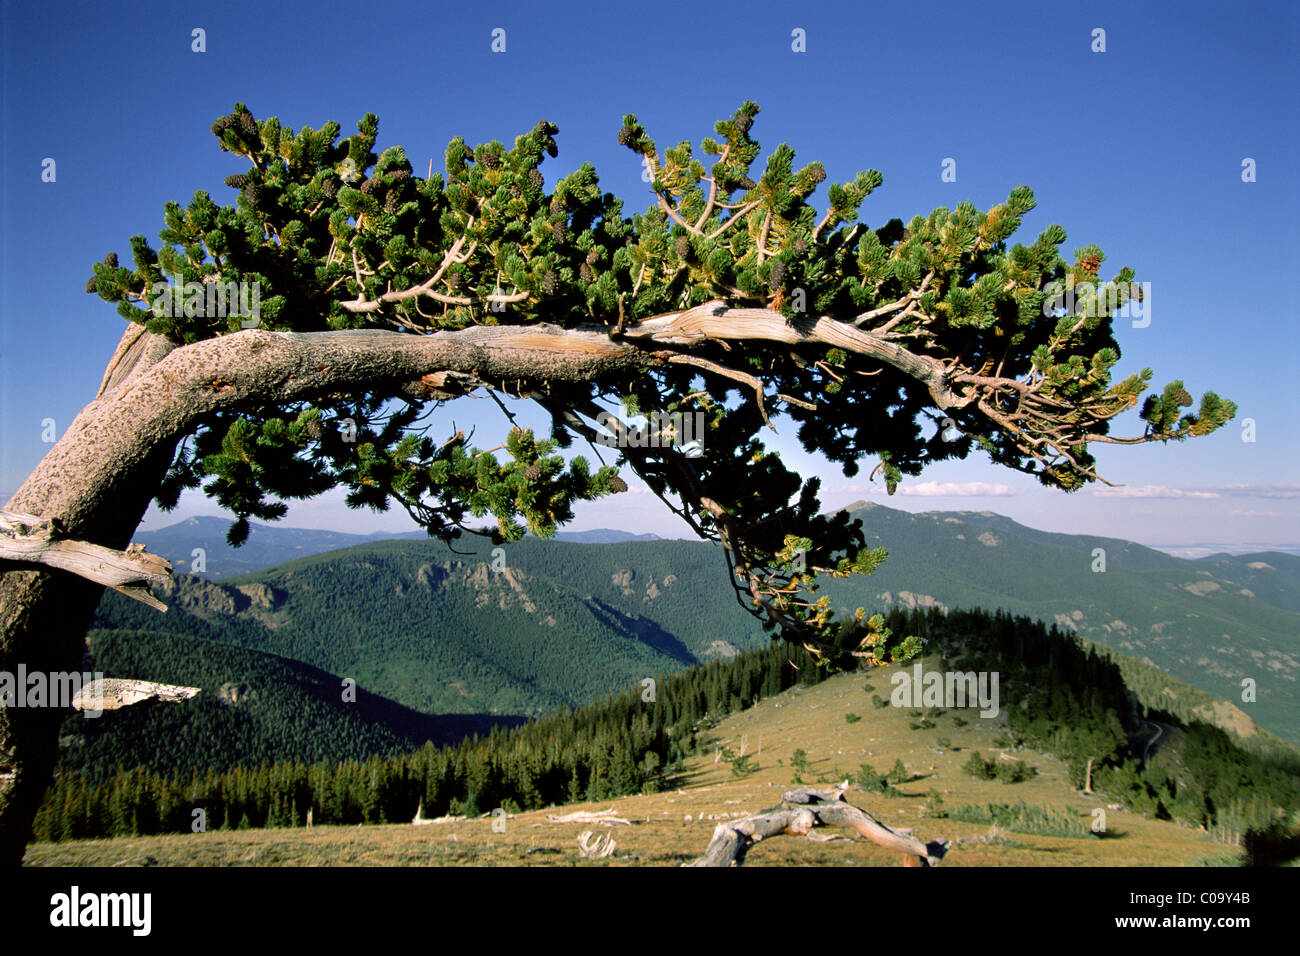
671 828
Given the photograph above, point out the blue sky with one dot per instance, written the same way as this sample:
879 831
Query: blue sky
1138 149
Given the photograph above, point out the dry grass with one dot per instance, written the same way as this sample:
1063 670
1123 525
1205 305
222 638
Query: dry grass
674 827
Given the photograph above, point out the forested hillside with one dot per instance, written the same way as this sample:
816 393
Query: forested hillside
1056 696
252 708
440 631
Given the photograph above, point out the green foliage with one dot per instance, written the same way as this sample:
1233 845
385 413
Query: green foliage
1024 818
852 718
1007 771
871 780
978 767
743 766
899 772
340 234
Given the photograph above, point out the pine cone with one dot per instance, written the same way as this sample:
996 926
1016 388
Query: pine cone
585 273
237 181
536 178
743 122
253 193
399 175
533 472
625 135
1091 263
392 200
247 124
777 276
817 174
223 124
110 260
330 187
683 246
800 246
371 185
549 282
92 285
315 429
491 160
1182 397
557 207
453 281
746 183
593 256
617 485
559 231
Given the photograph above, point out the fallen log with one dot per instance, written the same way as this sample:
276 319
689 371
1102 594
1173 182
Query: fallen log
800 811
587 816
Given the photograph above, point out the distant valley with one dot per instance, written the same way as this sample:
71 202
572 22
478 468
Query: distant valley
562 622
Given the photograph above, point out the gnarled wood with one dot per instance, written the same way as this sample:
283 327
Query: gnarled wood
27 539
800 811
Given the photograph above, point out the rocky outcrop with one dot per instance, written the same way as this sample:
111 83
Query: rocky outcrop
234 693
262 595
114 693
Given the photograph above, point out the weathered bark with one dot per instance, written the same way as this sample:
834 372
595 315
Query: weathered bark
97 482
800 811
26 539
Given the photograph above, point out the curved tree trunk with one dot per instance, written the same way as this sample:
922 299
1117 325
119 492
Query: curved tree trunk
98 481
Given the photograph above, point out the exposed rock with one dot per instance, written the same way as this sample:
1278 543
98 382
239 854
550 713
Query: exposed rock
722 649
262 595
910 600
114 693
235 693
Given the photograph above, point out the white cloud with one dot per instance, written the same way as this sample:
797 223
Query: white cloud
953 489
1275 489
1152 491
929 489
1261 514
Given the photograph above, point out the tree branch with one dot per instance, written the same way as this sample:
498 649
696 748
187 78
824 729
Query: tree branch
27 539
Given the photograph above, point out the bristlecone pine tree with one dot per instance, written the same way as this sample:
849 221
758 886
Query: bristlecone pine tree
384 295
